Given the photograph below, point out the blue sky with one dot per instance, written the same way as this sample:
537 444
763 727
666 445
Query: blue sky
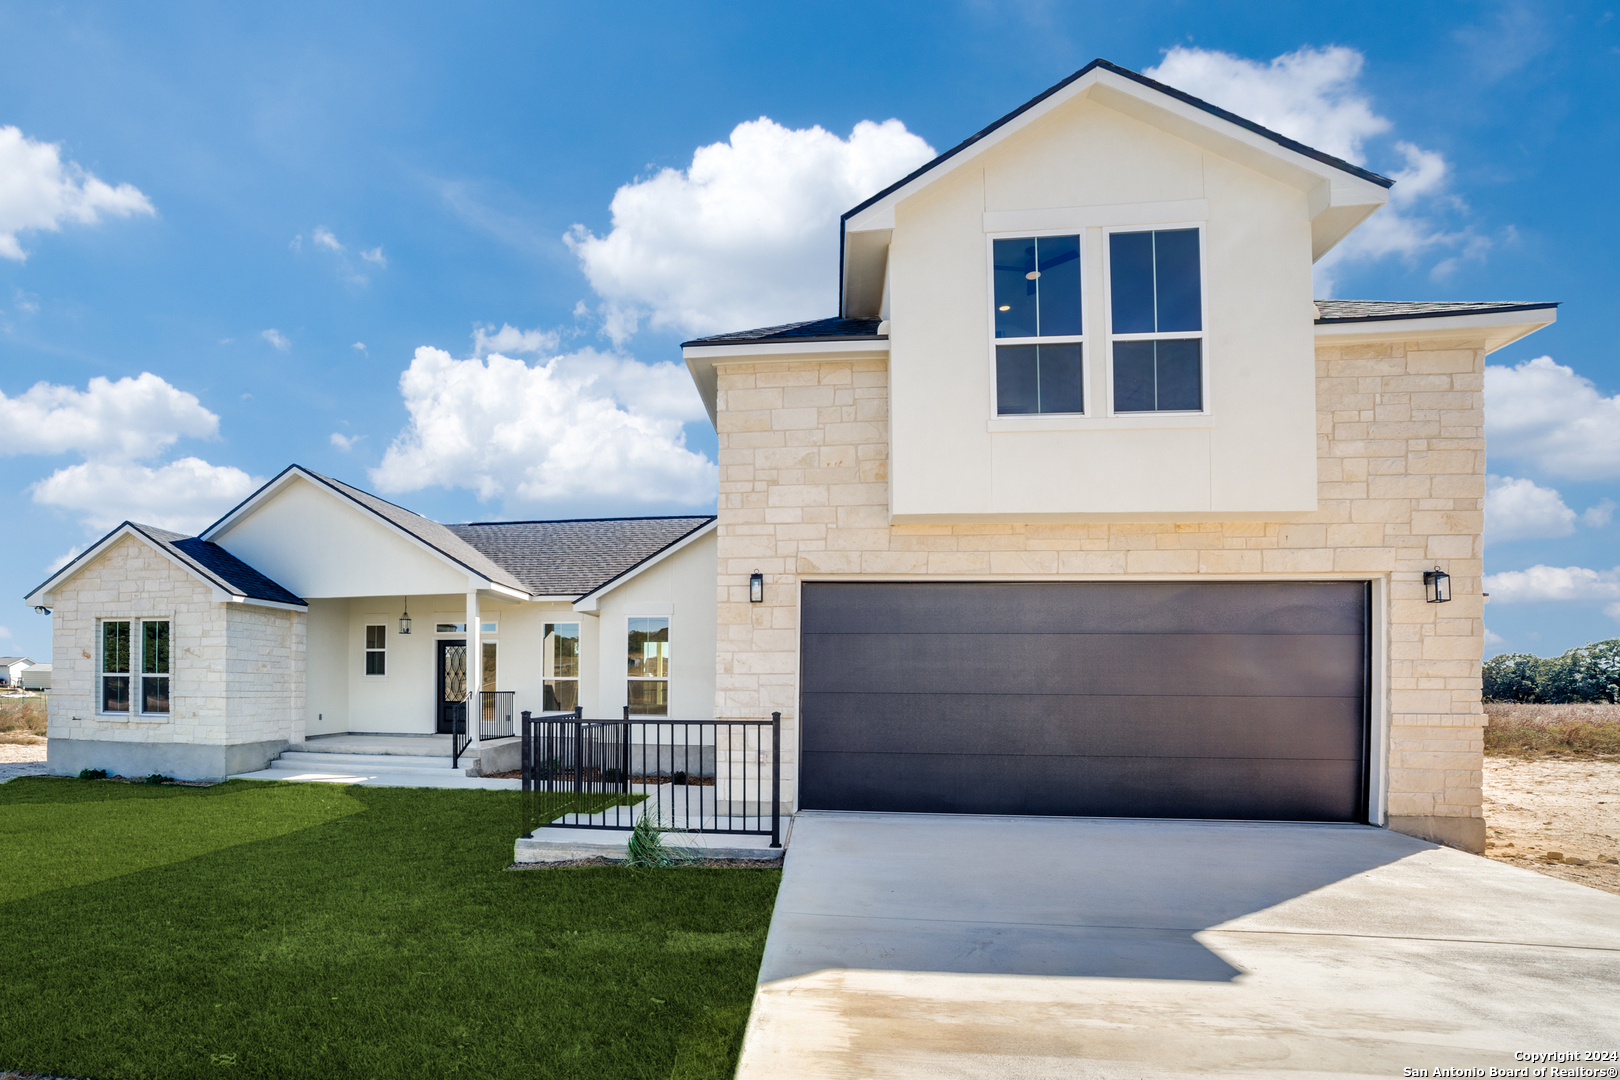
279 213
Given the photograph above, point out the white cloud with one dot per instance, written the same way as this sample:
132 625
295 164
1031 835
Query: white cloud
1595 517
5 632
1543 413
1315 96
1493 639
63 559
345 442
1541 584
276 338
375 255
182 496
130 418
359 346
747 235
586 427
324 238
1518 509
509 340
38 192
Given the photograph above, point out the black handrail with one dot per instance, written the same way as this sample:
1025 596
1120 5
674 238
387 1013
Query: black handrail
700 776
460 735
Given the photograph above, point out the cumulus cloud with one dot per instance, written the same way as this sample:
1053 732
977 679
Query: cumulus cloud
345 442
131 418
1555 584
587 427
1315 96
746 235
1519 509
182 496
276 338
39 191
1541 412
324 238
509 340
1595 517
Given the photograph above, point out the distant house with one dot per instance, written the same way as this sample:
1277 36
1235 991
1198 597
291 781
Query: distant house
11 669
37 677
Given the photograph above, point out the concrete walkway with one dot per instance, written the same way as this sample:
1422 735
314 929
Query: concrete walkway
919 946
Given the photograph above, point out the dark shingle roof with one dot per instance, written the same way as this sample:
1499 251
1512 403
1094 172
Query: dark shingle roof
430 532
834 329
1341 311
213 561
572 558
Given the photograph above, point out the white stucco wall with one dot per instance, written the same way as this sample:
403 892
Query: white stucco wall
1081 169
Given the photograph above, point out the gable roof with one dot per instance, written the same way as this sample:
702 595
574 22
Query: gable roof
1343 311
208 561
426 531
573 558
7 661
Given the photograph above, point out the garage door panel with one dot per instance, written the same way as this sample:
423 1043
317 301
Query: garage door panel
1107 726
1176 664
1281 607
1233 788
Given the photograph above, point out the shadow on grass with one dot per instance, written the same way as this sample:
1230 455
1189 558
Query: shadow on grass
283 930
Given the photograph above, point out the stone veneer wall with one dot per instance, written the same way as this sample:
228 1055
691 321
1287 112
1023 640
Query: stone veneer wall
211 652
1401 472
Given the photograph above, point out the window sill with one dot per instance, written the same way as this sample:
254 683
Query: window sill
1123 422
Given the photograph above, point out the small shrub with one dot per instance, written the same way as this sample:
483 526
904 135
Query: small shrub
159 778
678 776
92 774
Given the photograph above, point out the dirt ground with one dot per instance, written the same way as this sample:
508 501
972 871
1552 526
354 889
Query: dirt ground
1556 803
20 748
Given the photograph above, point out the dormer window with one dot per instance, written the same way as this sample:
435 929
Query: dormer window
1156 320
1040 348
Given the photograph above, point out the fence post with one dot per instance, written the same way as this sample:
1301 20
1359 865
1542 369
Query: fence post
624 754
526 767
776 779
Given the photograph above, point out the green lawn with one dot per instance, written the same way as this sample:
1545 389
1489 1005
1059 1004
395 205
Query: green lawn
306 930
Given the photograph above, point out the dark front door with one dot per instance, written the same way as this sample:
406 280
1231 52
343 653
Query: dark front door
1136 699
452 697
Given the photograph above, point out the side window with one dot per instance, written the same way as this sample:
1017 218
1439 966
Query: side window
155 666
115 667
377 650
649 667
559 667
1039 340
1156 322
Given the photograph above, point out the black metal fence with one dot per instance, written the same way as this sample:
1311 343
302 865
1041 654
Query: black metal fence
699 776
495 714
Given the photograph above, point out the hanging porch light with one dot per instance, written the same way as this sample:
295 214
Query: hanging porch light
405 618
756 588
1437 585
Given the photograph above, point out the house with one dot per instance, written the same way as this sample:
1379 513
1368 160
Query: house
35 677
11 669
1078 505
291 618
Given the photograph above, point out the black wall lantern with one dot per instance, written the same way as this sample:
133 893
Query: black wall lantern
756 588
405 618
1437 585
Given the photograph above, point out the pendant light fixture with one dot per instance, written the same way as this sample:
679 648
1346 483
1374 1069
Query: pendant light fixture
405 617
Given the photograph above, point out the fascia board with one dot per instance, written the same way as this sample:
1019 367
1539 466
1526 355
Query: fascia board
277 604
1152 107
700 359
1498 329
590 602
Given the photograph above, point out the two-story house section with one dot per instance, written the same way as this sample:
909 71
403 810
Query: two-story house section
1082 506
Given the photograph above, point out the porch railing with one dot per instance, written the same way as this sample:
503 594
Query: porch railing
460 737
495 714
699 776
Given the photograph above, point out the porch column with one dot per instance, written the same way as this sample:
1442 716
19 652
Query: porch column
475 668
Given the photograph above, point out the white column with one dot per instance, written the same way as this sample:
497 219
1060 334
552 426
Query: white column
475 667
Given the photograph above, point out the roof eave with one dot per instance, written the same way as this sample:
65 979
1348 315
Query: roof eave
1498 329
701 359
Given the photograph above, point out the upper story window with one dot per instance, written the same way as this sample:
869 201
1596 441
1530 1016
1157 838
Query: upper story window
1040 346
377 650
1156 320
559 666
648 692
115 667
155 666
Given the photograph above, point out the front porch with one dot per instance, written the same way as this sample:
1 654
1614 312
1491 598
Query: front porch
395 760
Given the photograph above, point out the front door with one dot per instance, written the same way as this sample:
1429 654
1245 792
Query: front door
452 696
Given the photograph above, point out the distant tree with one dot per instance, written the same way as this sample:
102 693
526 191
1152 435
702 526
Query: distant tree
1587 673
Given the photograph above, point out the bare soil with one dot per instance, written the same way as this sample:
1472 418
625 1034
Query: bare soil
20 748
1548 805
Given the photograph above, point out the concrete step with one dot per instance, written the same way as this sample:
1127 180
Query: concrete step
323 762
411 778
390 745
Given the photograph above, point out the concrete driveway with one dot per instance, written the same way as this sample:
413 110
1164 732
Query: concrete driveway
921 946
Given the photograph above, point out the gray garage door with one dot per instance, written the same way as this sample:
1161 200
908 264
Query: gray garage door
1137 699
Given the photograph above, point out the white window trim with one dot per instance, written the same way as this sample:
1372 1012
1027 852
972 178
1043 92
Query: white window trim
128 673
142 675
1203 319
579 661
1082 339
366 650
666 680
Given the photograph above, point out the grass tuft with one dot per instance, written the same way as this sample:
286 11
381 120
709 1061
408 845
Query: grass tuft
303 930
1513 729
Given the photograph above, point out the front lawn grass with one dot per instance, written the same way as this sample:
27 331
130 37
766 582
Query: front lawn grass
307 930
